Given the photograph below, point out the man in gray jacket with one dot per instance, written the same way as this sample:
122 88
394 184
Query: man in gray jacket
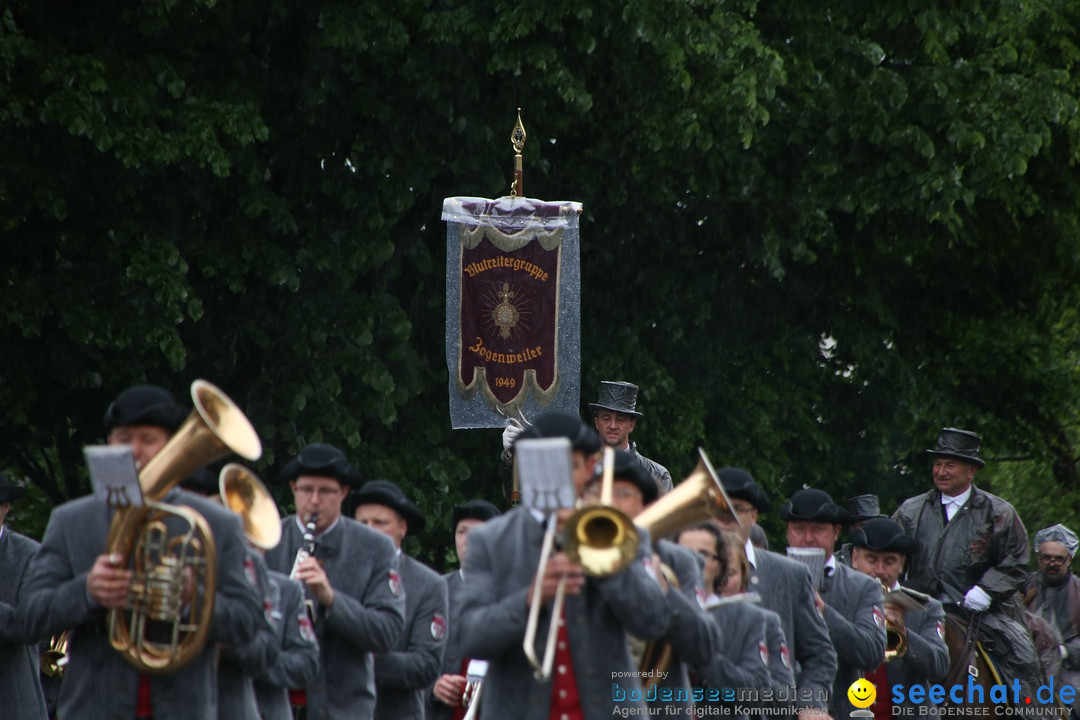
785 588
593 674
403 674
446 691
853 605
879 550
972 551
73 584
352 580
20 685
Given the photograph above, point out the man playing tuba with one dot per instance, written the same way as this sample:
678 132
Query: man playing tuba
74 583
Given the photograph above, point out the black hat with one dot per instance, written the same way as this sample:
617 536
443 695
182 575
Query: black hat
557 423
617 396
813 505
863 507
472 510
882 535
739 484
629 469
958 444
322 460
384 492
145 405
8 490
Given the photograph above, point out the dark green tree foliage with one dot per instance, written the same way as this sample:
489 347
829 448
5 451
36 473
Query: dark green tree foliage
813 235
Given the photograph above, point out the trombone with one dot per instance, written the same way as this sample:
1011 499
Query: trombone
601 539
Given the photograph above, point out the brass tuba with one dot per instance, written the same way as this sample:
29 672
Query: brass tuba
171 599
699 497
244 494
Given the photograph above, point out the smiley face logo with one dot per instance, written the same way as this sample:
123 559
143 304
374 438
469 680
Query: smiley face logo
862 693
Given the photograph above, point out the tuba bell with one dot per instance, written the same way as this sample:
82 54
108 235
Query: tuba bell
170 548
699 497
247 496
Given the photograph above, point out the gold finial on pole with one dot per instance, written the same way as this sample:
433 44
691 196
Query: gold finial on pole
517 139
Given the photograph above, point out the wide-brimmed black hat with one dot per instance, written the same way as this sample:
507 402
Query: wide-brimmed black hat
145 405
324 461
959 444
813 505
384 492
629 469
863 507
472 510
882 535
557 423
617 396
739 484
9 491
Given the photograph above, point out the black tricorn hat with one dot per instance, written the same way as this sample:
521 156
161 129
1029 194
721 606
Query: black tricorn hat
322 460
882 535
739 484
813 505
558 423
472 510
384 492
959 444
145 405
617 396
9 491
628 469
863 507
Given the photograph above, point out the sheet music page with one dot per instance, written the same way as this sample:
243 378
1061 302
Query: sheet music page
113 475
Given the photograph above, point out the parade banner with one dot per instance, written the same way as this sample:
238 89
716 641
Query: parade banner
513 342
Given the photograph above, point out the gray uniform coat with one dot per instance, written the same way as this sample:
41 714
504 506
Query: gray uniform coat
855 616
403 675
784 586
503 557
237 664
743 662
98 683
693 634
20 686
367 617
781 672
297 663
452 655
927 657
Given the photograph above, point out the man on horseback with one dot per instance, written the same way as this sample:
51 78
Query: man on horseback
972 553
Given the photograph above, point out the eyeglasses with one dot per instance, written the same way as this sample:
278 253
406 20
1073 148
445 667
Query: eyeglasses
1053 559
323 491
593 491
743 509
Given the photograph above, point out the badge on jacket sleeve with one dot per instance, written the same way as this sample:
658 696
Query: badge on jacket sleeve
438 627
940 629
879 618
395 583
307 630
763 651
785 655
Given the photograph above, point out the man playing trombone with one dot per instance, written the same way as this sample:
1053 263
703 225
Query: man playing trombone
591 642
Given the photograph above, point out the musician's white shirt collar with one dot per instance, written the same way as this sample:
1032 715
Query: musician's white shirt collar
953 504
1 532
750 554
303 528
830 566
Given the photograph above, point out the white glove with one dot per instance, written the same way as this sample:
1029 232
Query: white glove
513 429
976 600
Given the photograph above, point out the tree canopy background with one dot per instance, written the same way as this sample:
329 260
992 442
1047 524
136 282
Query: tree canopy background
813 235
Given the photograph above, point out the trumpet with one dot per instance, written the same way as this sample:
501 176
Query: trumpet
54 659
895 637
601 539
